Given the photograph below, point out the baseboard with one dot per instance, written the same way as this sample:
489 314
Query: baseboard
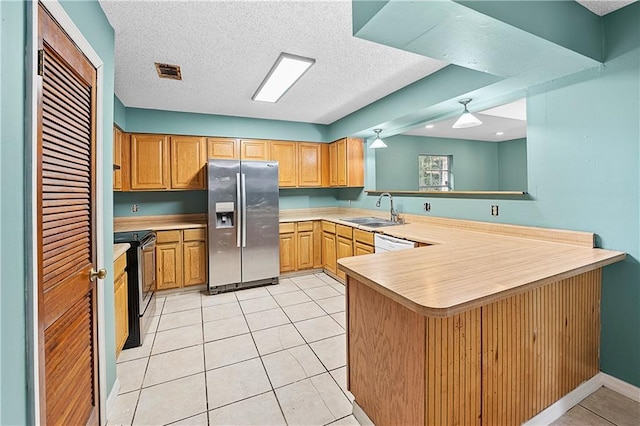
622 387
111 399
564 404
573 398
361 416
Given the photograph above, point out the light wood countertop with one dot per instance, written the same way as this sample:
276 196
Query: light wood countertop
159 223
465 269
120 249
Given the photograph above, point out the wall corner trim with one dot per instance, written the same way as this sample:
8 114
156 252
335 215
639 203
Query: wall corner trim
111 399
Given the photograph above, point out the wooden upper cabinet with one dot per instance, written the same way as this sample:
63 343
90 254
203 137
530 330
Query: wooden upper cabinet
117 159
310 164
224 148
149 162
254 149
285 153
188 160
347 162
333 164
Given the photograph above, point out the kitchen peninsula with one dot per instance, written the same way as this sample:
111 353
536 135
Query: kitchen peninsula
489 324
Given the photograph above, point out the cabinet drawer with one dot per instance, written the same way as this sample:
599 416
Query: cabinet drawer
364 237
198 234
168 237
287 228
305 226
119 265
344 231
329 227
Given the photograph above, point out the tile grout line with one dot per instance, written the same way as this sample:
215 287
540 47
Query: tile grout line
204 362
265 368
597 414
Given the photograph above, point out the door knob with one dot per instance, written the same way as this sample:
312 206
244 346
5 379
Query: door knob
100 274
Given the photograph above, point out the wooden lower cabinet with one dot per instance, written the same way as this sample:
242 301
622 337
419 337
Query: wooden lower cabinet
300 246
195 257
181 258
344 248
329 247
362 242
287 247
121 302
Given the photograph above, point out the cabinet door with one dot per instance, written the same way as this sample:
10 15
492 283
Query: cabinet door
333 164
344 248
169 265
117 159
149 162
355 162
121 300
317 244
310 160
285 154
329 252
341 162
360 248
288 252
305 249
224 148
195 262
254 149
188 159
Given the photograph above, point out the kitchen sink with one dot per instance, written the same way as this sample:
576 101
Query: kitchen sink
371 222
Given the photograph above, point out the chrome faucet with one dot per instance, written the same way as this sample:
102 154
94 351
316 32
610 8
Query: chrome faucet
394 213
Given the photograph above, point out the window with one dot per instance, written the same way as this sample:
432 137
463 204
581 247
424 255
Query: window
434 172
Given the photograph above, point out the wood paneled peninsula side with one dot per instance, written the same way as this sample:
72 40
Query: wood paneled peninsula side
488 325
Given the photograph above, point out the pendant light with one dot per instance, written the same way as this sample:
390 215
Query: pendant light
377 142
467 119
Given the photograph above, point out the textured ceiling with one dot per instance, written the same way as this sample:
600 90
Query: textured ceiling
602 7
225 49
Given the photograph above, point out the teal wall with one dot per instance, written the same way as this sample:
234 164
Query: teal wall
13 379
183 123
119 113
583 146
90 19
475 163
151 203
512 165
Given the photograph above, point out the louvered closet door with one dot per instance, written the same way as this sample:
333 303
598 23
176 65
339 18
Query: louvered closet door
66 170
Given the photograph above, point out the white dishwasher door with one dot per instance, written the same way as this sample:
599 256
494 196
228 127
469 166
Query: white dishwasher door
385 243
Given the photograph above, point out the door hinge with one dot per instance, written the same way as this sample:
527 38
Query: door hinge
41 62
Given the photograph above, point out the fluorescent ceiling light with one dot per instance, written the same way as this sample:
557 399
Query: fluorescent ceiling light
429 126
467 119
499 133
377 142
284 73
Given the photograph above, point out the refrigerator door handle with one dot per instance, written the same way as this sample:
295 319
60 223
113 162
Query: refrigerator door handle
238 230
244 211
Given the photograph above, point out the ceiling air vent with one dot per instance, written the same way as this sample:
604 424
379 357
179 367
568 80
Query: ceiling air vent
168 71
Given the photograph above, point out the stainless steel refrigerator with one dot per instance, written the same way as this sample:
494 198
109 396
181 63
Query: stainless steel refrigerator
243 223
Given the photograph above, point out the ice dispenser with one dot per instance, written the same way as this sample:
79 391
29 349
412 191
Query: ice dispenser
225 215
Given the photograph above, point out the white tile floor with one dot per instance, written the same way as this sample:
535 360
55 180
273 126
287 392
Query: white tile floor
272 355
264 356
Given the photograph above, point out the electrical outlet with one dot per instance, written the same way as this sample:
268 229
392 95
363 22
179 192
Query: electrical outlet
427 207
134 208
494 210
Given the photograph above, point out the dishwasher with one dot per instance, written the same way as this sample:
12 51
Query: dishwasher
384 243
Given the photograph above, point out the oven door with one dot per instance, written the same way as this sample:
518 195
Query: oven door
147 270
